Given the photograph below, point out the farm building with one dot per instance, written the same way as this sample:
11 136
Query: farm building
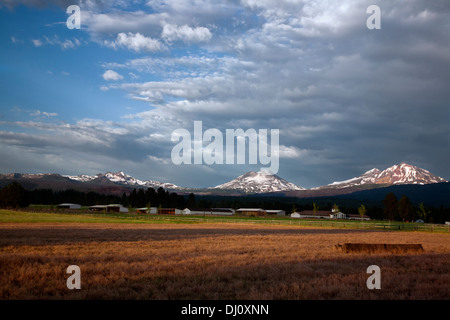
320 214
116 208
69 206
327 215
226 211
276 212
337 215
98 207
109 208
146 210
251 212
209 211
169 211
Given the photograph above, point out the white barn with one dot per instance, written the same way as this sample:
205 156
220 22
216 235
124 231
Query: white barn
338 215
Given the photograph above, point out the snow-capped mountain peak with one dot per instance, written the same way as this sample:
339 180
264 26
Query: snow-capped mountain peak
402 173
123 178
259 182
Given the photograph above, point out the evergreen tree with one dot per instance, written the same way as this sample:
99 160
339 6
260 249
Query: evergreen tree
151 197
405 208
390 204
162 197
191 202
140 199
13 195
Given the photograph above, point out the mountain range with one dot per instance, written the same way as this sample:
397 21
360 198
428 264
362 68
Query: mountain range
123 178
249 183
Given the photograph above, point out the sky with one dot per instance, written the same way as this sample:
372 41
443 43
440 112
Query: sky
108 96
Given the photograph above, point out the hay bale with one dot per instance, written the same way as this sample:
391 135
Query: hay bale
403 248
378 248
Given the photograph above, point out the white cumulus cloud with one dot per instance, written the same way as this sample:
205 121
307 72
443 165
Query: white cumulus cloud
136 42
185 33
111 75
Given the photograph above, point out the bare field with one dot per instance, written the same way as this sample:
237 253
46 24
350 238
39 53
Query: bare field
217 261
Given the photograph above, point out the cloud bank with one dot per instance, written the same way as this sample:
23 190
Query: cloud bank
345 98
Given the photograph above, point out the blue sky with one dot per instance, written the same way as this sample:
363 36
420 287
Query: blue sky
59 75
107 97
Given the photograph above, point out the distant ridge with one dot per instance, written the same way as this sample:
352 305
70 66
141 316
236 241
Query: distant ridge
125 179
249 183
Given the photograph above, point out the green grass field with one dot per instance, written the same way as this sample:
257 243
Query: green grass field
88 217
63 217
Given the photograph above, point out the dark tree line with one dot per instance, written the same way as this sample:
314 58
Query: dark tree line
404 210
14 195
150 197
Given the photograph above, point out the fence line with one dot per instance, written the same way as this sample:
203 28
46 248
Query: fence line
332 224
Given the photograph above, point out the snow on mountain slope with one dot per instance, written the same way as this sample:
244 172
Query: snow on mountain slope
407 174
81 177
259 182
123 178
368 177
402 173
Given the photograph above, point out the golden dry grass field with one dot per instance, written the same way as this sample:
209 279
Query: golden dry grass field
217 261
